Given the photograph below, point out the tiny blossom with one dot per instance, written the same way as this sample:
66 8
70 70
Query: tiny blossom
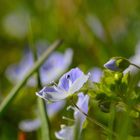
30 125
69 83
96 74
67 132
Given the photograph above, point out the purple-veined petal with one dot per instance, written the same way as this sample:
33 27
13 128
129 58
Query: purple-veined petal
68 84
82 103
69 78
78 83
52 94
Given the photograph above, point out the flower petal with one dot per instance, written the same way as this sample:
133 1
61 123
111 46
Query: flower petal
55 66
83 105
96 74
78 84
70 77
66 133
111 64
53 108
52 94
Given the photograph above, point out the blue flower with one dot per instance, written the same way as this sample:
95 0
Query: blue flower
16 72
67 132
69 83
55 66
52 68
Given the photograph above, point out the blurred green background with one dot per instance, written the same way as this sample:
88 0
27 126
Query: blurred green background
95 29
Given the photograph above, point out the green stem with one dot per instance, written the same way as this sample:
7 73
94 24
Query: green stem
129 62
45 127
8 100
135 65
94 121
111 121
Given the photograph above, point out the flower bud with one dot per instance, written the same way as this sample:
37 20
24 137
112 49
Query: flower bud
117 64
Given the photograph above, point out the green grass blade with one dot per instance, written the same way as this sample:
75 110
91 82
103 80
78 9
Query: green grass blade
7 101
45 129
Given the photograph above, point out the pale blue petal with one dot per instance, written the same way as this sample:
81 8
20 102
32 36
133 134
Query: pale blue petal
16 72
68 85
96 74
55 107
66 133
52 94
55 66
82 103
29 125
78 83
111 64
70 77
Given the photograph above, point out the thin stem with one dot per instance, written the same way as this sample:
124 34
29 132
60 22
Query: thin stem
8 100
45 124
135 65
112 118
93 120
129 62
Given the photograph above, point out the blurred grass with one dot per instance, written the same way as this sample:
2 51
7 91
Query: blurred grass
51 19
